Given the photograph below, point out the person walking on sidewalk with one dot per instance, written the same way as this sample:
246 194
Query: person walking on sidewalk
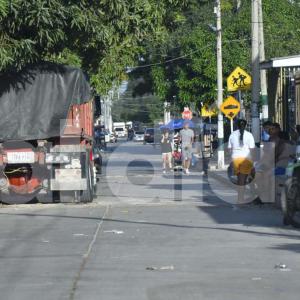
187 140
166 150
241 143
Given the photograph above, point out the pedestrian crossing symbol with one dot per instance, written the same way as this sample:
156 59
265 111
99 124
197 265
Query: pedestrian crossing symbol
238 80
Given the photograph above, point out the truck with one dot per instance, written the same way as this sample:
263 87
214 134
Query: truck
129 125
46 135
119 128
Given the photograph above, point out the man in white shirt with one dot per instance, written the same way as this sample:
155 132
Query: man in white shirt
241 143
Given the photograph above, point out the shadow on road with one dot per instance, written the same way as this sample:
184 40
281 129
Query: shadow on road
287 247
184 226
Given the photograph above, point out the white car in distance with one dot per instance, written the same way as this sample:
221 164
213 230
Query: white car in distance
120 131
138 136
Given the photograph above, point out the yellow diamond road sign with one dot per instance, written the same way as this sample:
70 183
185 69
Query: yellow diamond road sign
208 111
238 80
230 107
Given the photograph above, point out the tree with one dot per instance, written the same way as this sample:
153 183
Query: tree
145 108
103 37
185 65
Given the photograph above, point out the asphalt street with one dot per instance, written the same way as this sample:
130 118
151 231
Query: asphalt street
148 236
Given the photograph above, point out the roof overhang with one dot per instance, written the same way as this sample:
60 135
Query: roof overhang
281 62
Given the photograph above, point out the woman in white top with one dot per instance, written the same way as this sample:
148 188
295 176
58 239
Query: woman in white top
241 143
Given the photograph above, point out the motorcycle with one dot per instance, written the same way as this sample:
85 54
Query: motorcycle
290 193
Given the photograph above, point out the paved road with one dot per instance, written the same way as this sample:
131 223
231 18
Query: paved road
150 237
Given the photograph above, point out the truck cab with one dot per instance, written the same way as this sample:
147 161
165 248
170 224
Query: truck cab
120 129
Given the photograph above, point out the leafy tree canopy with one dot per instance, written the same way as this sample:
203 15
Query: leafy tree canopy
185 65
101 36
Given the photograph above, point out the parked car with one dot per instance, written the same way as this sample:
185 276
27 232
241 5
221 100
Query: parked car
120 131
106 136
149 136
138 136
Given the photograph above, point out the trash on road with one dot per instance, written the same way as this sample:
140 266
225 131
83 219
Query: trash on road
256 278
114 231
282 267
79 234
171 268
151 269
164 268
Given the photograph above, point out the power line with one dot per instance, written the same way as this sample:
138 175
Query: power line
185 55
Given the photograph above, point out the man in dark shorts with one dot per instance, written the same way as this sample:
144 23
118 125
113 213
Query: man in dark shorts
166 150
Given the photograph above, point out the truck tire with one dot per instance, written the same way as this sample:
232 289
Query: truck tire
86 196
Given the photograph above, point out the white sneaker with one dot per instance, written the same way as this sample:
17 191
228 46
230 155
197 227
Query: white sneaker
187 171
164 172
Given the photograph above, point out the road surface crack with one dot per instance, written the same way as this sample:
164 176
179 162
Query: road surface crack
86 255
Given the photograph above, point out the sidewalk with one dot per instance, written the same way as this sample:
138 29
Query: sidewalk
220 177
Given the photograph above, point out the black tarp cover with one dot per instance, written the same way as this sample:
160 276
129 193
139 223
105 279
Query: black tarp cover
35 102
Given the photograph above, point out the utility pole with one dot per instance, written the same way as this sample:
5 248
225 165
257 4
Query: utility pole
109 104
241 114
262 56
221 159
167 116
255 73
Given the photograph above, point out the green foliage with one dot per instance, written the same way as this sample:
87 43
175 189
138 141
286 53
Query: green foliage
3 8
103 37
282 27
191 76
67 57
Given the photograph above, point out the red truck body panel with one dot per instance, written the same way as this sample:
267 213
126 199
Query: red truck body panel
80 120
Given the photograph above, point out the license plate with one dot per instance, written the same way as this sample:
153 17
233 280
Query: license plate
20 157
